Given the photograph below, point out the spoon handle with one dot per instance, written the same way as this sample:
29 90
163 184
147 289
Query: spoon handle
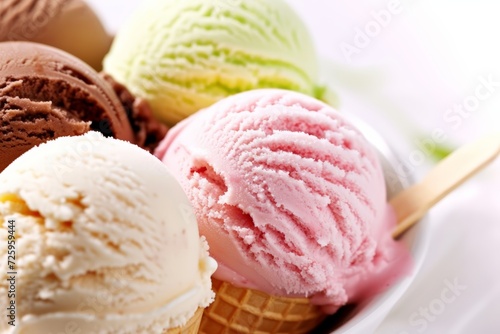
413 203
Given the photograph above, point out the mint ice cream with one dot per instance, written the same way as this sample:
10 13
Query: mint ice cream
185 55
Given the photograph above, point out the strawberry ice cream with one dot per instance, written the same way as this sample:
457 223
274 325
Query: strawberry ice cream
290 196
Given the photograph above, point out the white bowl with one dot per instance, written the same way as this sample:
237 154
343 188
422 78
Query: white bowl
365 318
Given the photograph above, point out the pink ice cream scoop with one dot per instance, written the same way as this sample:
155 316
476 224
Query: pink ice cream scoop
290 196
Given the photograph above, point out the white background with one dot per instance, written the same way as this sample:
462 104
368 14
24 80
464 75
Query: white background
428 56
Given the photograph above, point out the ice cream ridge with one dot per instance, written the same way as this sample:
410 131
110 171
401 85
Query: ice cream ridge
70 25
182 56
107 242
292 200
47 93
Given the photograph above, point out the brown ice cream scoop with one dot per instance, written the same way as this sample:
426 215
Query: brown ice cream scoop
70 25
46 93
148 131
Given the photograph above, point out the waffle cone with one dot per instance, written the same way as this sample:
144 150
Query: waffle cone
241 310
191 327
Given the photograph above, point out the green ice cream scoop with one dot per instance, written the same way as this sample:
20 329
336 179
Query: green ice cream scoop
184 55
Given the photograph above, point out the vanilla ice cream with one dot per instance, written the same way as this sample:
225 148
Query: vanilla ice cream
106 240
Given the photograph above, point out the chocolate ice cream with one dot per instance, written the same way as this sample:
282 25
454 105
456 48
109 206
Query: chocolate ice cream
70 25
148 131
46 93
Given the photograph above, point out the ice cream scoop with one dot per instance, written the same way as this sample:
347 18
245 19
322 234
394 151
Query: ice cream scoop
148 131
46 93
182 56
289 194
70 25
106 241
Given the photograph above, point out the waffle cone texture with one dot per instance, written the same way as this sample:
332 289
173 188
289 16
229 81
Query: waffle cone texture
191 327
241 310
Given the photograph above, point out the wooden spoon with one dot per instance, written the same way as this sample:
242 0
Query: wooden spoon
414 202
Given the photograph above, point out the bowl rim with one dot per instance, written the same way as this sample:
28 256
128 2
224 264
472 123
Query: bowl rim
418 239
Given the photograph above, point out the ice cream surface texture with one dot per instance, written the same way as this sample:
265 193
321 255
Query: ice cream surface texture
70 25
290 196
182 56
47 93
106 240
